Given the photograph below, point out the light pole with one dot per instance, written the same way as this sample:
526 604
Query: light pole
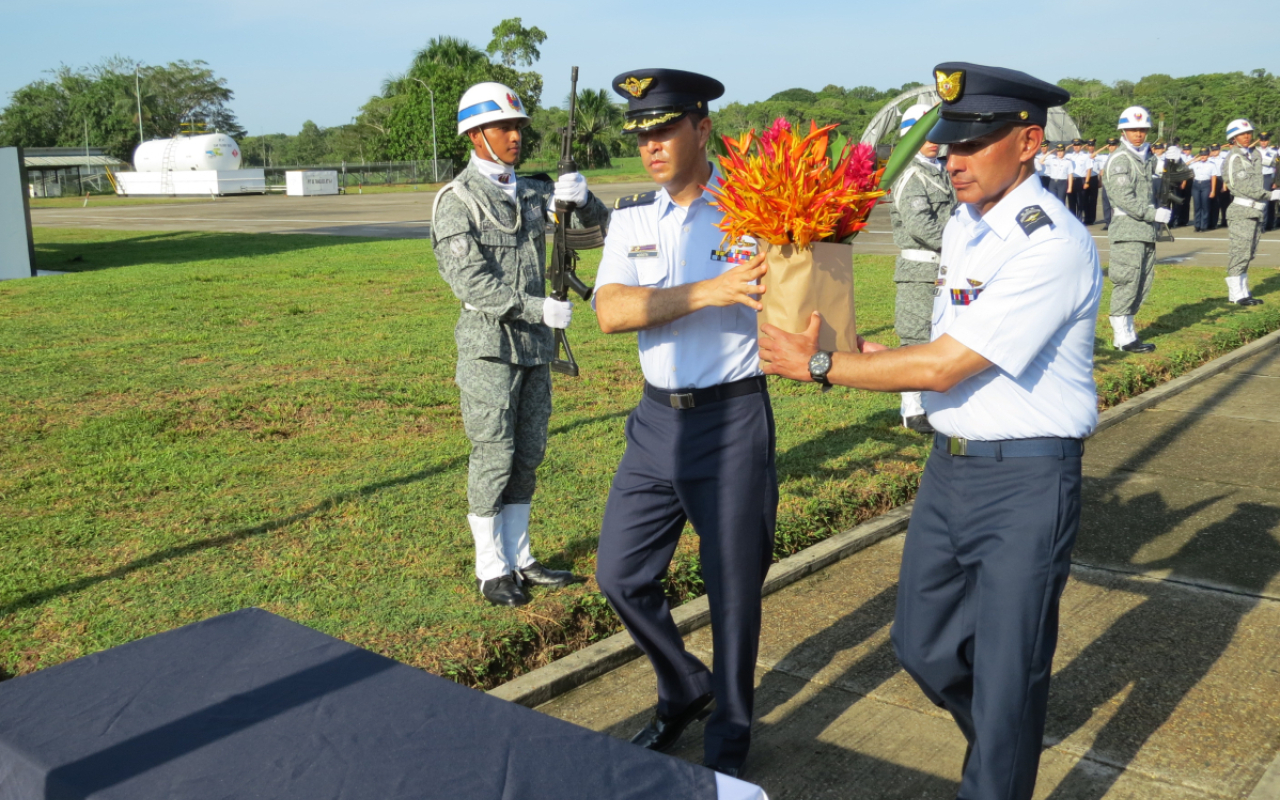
435 162
137 93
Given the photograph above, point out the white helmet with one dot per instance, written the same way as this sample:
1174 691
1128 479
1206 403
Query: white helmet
1237 127
1134 118
485 103
911 116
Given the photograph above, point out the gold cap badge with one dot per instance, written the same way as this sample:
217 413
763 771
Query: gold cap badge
950 86
636 87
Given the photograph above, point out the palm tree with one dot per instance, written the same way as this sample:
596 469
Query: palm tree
597 123
447 51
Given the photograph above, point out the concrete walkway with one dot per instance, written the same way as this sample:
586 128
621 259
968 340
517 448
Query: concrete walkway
1167 679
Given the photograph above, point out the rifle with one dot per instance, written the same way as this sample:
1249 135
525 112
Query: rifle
1175 173
567 242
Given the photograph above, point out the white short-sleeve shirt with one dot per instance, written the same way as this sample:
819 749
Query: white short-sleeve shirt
660 245
1020 286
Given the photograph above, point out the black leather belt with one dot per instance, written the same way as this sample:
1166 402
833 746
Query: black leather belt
711 394
1010 448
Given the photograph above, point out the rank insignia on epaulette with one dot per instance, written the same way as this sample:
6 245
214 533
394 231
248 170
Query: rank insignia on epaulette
1033 217
642 199
964 297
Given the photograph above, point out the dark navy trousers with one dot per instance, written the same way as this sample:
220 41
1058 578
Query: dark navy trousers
986 558
1200 196
712 465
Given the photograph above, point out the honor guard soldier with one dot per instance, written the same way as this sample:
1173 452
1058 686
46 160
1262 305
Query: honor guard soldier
1132 231
922 203
1100 164
1268 155
1202 188
1058 168
700 444
488 231
1243 174
1009 386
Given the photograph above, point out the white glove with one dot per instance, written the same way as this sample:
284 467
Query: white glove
1163 215
1275 195
571 187
557 313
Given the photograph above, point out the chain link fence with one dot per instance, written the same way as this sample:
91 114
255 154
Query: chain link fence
379 173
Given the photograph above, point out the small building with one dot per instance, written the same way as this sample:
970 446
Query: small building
58 171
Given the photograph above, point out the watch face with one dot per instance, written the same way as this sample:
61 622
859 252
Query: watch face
819 365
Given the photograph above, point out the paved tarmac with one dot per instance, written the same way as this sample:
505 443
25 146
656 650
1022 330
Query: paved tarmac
1167 676
407 215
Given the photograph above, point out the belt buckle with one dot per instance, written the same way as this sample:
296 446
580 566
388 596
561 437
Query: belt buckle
957 446
682 400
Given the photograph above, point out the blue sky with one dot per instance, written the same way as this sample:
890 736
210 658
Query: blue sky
289 61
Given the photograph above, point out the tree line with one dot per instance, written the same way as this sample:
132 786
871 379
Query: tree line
396 122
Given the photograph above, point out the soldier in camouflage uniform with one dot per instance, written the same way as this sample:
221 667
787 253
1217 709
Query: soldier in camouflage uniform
1127 180
1242 172
922 203
489 234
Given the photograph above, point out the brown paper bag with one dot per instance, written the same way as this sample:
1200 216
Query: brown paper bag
800 282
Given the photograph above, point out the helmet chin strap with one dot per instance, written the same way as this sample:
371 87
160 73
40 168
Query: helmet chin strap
485 138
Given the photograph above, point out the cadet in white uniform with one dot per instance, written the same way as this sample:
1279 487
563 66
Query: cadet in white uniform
1202 193
1009 380
1268 155
1058 168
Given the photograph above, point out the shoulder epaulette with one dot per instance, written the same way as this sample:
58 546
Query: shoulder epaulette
1032 217
642 199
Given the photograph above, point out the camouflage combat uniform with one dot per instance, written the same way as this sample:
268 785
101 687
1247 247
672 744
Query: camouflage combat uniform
1132 233
923 200
504 348
1243 174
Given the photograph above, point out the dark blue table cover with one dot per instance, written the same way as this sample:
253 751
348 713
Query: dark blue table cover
251 705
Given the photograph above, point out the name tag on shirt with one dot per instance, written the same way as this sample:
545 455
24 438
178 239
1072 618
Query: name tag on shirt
643 251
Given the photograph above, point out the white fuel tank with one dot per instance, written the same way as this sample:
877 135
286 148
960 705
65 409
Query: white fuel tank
210 151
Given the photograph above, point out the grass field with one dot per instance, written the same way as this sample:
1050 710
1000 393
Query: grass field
198 422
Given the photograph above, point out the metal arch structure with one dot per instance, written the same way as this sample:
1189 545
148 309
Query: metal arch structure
1060 128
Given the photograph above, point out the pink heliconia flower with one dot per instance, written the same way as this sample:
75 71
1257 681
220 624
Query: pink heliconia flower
779 126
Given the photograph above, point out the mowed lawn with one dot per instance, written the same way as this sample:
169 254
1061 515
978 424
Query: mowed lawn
199 422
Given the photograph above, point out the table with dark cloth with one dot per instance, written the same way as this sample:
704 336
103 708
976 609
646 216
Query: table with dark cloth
251 705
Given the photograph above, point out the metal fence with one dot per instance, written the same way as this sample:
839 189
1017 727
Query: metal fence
381 173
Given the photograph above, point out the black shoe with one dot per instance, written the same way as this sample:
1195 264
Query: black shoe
1138 346
538 575
1108 225
503 591
919 423
1249 301
662 731
732 772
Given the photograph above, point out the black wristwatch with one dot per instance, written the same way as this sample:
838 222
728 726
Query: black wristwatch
819 366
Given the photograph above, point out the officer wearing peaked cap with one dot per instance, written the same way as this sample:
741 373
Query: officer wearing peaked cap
700 444
1008 381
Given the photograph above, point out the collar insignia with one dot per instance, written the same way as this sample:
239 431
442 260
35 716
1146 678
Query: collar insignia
950 86
636 87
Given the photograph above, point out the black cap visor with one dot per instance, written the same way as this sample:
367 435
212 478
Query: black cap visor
954 131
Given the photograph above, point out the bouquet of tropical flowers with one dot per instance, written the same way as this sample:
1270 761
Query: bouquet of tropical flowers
803 199
795 190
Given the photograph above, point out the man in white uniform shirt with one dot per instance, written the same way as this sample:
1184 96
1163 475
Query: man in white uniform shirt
1081 167
700 445
1009 376
1268 155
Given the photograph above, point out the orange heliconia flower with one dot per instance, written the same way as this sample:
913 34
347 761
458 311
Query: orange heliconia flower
787 192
